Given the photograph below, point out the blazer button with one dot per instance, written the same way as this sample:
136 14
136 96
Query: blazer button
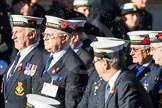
6 101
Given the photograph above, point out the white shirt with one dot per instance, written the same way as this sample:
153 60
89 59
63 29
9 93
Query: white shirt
113 79
23 54
57 56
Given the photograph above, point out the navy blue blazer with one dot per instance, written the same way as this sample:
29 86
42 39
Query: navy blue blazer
21 84
150 79
71 79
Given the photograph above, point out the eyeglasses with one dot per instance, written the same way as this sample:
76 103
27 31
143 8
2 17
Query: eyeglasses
135 49
96 61
153 49
48 35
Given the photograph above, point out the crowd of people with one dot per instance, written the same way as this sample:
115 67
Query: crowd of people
79 54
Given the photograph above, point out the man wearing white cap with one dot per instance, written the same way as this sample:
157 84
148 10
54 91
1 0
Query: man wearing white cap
82 6
18 77
64 76
121 89
156 51
144 66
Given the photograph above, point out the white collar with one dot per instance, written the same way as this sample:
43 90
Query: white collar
113 79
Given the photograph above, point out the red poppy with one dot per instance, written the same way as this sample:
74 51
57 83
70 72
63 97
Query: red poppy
19 68
74 27
64 25
113 89
54 69
159 35
32 21
146 41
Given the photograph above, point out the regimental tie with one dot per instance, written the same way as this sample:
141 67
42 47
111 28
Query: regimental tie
48 62
107 92
8 79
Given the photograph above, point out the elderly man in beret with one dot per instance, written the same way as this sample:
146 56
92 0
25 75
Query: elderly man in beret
144 66
19 76
64 75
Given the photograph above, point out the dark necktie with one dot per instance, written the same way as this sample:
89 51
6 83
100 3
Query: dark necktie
107 90
48 62
12 71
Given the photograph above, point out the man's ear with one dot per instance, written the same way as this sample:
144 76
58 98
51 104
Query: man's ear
76 37
106 64
32 34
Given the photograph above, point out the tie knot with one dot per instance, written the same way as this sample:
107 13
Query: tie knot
18 55
107 86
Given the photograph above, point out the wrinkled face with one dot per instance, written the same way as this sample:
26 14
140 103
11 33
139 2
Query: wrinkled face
140 3
53 42
131 20
84 10
139 55
156 52
98 66
66 3
20 38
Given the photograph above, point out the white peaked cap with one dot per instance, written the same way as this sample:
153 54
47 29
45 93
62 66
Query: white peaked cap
112 38
155 36
26 21
38 101
81 3
139 37
107 46
53 22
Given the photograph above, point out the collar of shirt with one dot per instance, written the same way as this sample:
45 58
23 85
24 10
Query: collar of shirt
78 47
57 56
147 64
23 54
26 51
113 79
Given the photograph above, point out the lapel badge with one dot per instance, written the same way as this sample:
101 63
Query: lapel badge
54 69
112 89
19 67
19 91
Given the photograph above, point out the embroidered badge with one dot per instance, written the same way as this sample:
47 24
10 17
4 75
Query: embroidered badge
19 89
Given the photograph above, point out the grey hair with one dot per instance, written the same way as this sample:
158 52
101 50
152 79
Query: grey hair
61 33
38 32
145 47
117 59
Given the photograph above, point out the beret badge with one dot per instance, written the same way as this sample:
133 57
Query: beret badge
32 22
146 41
159 35
63 25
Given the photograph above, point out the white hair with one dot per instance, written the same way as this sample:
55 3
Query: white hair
29 30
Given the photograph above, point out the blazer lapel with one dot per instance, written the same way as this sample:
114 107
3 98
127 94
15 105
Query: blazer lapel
18 73
59 64
115 85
